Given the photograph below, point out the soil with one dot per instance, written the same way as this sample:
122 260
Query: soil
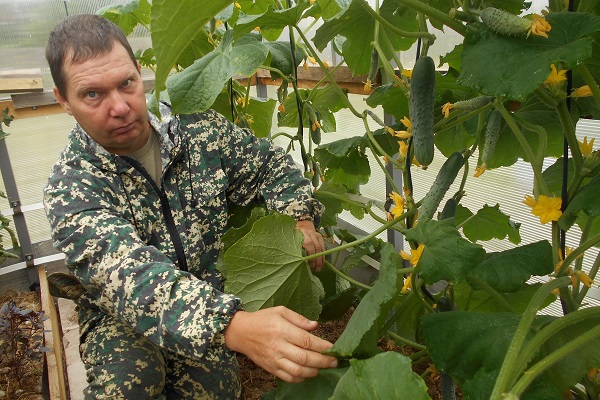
29 385
255 381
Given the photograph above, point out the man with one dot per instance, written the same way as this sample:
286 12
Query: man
139 205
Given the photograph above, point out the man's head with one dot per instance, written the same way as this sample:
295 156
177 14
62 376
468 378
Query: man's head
98 81
77 39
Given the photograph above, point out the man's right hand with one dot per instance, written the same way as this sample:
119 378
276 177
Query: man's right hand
277 340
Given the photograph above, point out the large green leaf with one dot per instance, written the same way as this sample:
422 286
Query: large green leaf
586 200
330 8
261 111
491 223
393 100
507 150
576 364
447 255
319 387
127 16
324 100
507 271
553 176
281 58
266 268
469 299
272 19
363 330
386 376
334 198
175 23
196 87
358 27
471 347
523 64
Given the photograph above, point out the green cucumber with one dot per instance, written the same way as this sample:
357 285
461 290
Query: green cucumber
472 104
374 67
492 132
440 186
422 99
505 23
449 210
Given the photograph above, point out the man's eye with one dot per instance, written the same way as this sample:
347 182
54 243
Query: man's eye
127 83
91 95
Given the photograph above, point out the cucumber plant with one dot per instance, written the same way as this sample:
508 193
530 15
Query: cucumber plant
487 298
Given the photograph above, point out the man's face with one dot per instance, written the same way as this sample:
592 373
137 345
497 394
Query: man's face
105 94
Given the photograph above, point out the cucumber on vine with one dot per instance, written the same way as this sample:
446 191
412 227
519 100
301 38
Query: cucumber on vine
492 133
505 23
315 125
422 99
440 186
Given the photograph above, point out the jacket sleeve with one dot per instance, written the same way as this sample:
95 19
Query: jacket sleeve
123 276
258 170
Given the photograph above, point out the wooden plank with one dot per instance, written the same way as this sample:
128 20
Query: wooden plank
52 337
19 81
22 113
315 73
24 100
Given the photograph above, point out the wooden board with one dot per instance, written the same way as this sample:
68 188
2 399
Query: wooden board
19 81
55 360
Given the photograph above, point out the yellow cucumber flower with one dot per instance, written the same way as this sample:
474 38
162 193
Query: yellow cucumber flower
237 5
446 109
480 170
556 77
530 201
407 73
547 208
583 91
414 256
586 147
539 26
403 149
583 277
398 207
368 86
407 284
311 59
406 123
281 108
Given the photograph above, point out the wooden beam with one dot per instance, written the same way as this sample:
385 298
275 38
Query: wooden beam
55 360
25 100
34 111
19 81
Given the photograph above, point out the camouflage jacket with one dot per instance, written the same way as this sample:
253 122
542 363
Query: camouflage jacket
147 254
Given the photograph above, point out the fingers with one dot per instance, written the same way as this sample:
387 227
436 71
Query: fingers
313 243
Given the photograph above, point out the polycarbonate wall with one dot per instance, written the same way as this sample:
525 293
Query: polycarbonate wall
25 25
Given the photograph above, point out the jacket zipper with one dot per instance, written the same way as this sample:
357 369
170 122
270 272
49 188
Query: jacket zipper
166 210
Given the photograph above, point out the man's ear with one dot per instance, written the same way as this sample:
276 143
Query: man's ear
63 102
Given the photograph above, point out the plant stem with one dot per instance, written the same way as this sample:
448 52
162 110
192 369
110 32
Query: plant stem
514 349
547 332
379 18
434 13
590 81
532 373
375 144
400 339
569 132
346 277
474 281
388 177
364 239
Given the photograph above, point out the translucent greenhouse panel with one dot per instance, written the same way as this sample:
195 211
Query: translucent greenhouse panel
25 25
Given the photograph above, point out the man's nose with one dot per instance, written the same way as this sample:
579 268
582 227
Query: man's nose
118 104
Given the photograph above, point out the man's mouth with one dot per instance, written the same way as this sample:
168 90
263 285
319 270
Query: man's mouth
124 128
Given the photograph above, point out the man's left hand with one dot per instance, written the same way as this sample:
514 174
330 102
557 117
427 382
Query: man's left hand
313 243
